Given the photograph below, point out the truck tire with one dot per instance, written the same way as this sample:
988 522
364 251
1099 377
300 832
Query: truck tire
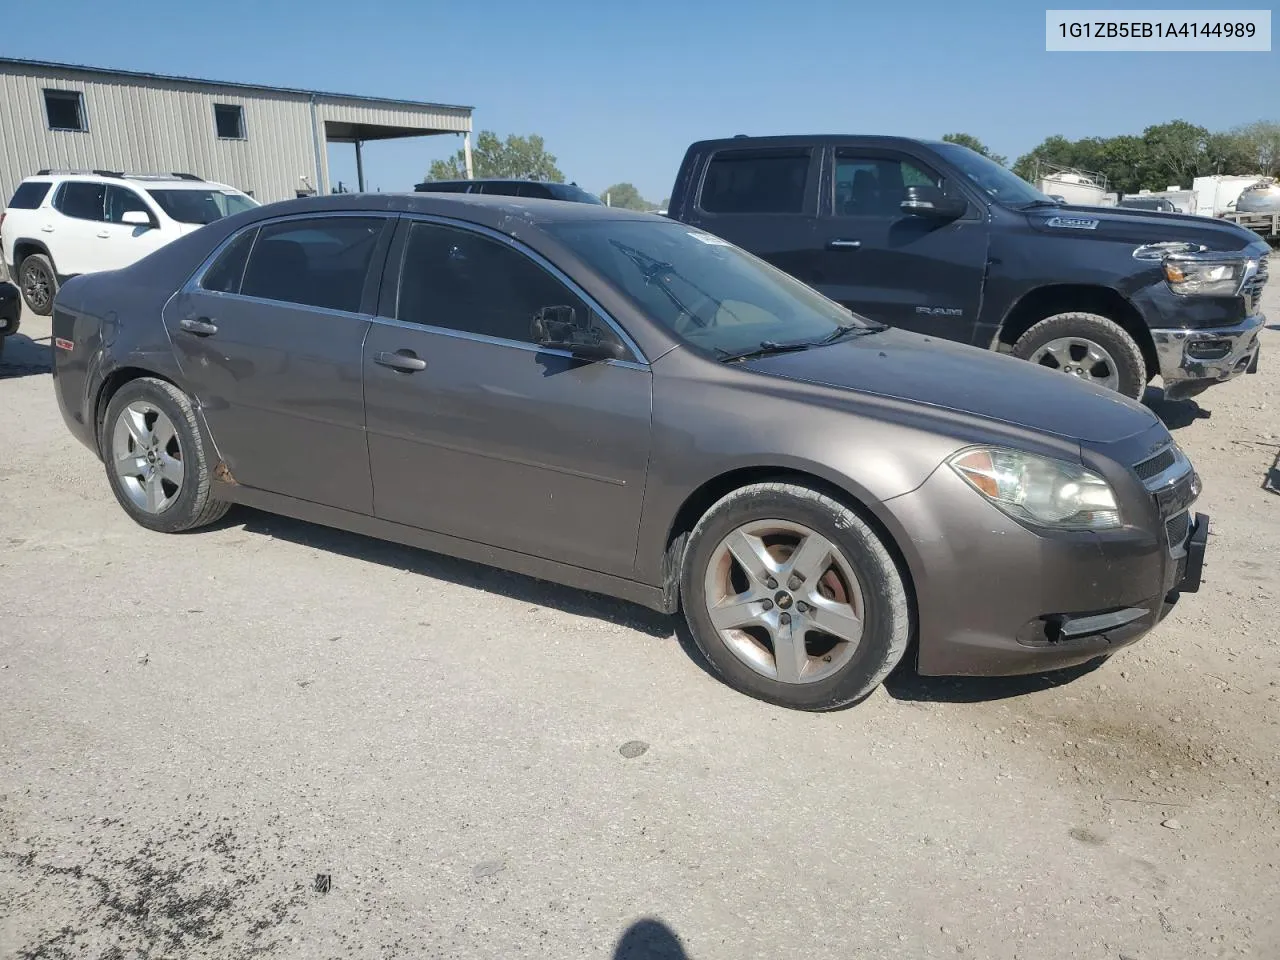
1088 346
793 598
38 282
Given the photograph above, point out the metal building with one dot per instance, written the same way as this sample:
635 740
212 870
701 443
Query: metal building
267 141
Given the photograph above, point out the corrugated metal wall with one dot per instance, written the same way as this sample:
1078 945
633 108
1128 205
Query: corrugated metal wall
166 125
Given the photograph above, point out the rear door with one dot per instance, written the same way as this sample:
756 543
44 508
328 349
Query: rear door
73 227
763 199
477 433
907 271
269 338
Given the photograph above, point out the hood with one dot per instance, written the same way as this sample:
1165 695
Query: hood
1124 225
953 376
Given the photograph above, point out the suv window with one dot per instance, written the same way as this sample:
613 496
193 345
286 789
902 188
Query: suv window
120 200
465 281
225 274
873 186
755 181
321 262
82 200
29 195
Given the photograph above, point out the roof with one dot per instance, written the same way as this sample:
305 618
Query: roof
809 140
48 65
485 209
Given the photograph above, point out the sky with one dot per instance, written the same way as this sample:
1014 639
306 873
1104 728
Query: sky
619 90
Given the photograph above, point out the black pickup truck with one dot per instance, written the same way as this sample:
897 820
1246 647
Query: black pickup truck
933 237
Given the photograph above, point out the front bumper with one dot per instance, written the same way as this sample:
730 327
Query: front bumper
1193 360
1029 602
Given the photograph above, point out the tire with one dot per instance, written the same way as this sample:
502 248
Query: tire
140 461
38 282
1119 353
857 574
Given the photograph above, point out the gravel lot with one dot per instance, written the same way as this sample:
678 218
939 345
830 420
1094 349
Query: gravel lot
275 738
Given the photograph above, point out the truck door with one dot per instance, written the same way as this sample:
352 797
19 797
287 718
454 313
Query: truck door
763 199
915 272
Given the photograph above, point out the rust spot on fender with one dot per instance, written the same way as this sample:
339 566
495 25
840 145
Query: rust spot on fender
222 473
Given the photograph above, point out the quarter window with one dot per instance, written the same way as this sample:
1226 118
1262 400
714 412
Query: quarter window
321 262
64 109
873 186
755 181
465 281
29 195
225 274
82 200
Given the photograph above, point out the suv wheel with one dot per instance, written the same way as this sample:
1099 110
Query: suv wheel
793 598
1087 346
156 459
38 282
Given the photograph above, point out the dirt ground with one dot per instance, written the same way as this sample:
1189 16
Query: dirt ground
274 738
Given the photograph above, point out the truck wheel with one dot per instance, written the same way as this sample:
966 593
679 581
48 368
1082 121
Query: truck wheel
1087 346
793 598
39 283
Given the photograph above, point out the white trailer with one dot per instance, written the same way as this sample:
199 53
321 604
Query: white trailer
1217 194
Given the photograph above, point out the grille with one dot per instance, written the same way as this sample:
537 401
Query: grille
1252 291
1156 465
1177 527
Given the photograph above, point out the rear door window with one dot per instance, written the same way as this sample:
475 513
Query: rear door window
82 200
317 262
29 195
755 181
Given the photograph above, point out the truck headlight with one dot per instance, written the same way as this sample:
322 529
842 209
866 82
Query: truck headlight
1204 277
1039 490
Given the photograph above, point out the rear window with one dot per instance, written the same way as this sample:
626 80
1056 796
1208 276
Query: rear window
755 181
200 206
29 195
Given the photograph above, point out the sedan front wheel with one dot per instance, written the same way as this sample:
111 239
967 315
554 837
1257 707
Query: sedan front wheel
793 598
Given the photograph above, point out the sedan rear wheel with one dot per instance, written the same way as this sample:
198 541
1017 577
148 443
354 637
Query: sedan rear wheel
793 598
156 457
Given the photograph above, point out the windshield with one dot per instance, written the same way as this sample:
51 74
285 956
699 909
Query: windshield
201 206
713 295
997 182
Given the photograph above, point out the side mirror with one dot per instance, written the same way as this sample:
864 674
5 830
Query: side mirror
136 218
560 328
927 201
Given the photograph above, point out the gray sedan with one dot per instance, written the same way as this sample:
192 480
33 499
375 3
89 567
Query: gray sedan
625 404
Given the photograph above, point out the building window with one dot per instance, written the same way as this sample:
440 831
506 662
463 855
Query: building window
64 109
229 119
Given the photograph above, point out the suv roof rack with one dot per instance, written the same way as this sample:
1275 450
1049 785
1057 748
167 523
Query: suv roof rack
120 174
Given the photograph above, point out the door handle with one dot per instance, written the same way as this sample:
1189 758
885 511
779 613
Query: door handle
200 326
105 235
843 244
47 228
403 360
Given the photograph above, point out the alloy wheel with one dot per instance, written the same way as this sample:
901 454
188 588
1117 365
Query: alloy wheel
35 286
1080 358
147 456
785 600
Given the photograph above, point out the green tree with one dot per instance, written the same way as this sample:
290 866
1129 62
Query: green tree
1259 148
523 157
974 144
1177 152
626 196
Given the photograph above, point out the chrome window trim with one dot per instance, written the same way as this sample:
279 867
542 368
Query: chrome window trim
521 248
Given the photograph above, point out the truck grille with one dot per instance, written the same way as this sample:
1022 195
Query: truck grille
1156 465
1252 290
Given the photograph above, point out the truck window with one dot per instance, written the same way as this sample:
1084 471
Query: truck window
755 181
872 186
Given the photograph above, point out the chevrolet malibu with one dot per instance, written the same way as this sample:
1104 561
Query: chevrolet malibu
625 404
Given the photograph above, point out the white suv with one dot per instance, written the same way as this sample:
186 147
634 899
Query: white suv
61 223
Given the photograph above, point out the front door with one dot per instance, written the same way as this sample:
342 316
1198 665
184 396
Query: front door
269 339
126 243
477 433
907 271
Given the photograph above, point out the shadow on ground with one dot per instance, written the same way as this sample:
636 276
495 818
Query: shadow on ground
24 357
1176 414
649 939
462 572
908 685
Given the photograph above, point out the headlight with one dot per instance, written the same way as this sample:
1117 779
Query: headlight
1204 278
1039 490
